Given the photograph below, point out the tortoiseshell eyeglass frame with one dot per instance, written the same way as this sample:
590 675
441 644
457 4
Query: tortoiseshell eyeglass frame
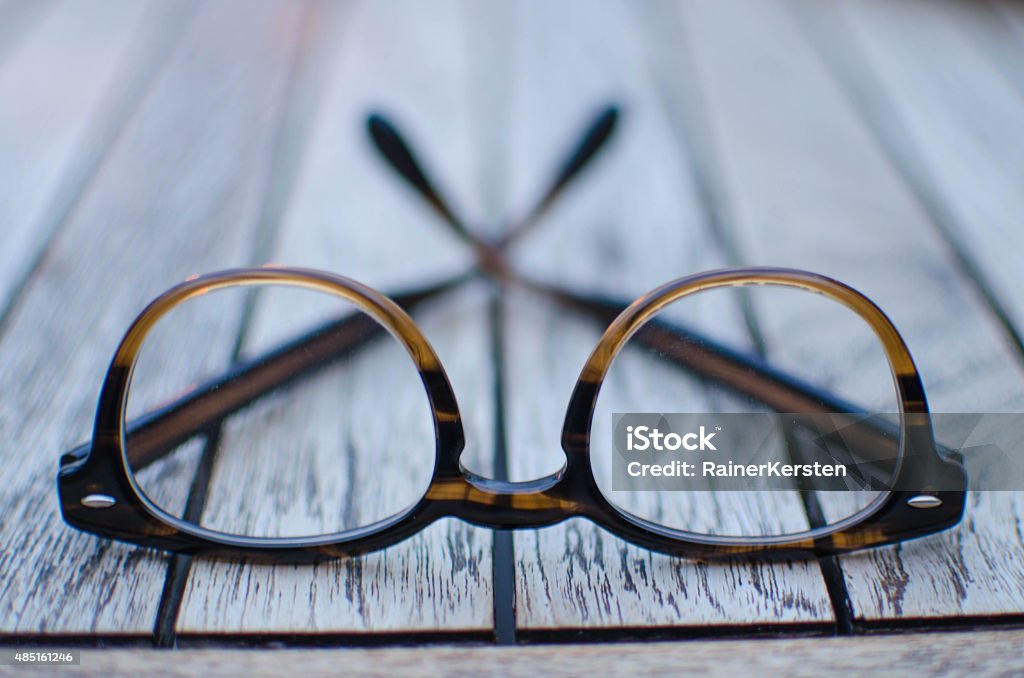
105 470
99 494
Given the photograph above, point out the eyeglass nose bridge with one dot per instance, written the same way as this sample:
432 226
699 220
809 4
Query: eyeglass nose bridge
506 504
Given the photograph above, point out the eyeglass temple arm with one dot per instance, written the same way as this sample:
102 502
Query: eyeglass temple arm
723 364
400 157
772 387
396 150
594 137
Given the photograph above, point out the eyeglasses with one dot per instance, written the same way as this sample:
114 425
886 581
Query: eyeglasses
923 489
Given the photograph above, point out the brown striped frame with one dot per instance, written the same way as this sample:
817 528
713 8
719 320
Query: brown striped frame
103 468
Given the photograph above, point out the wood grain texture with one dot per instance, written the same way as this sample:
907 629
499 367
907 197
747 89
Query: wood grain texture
632 222
772 113
18 18
349 214
980 653
944 104
576 575
70 73
130 160
1013 14
178 193
438 580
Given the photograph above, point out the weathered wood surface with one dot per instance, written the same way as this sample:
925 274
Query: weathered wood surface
955 121
440 579
849 214
1012 13
980 653
75 72
963 161
621 231
144 222
348 213
145 142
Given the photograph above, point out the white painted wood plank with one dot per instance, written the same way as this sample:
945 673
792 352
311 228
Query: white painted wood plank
439 580
975 652
963 120
578 576
1013 14
179 193
351 215
632 222
996 31
807 186
60 86
18 20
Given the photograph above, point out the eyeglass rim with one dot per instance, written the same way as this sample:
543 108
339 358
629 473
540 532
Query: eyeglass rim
917 441
572 491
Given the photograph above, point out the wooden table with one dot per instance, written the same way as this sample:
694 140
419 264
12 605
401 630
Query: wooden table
140 142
